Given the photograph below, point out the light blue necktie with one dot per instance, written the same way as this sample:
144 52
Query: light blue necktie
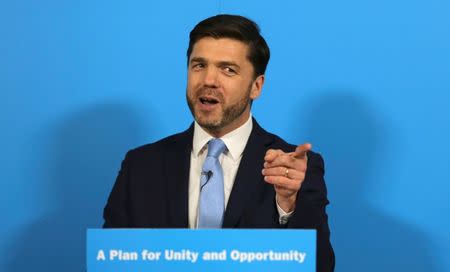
212 203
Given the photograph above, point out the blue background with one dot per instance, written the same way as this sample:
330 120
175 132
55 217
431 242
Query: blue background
367 82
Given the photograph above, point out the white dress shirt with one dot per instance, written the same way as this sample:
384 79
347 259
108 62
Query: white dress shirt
235 141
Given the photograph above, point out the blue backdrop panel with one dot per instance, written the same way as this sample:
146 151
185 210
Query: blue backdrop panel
366 82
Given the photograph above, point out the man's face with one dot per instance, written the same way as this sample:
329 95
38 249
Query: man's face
221 84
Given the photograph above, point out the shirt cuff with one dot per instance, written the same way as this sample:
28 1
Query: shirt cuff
284 216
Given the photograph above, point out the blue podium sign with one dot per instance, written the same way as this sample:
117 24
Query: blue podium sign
200 250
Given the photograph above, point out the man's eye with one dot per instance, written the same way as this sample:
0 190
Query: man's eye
198 66
229 70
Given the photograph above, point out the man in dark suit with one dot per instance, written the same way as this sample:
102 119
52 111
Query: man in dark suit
254 180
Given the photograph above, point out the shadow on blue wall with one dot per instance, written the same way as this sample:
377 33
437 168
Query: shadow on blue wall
356 142
86 150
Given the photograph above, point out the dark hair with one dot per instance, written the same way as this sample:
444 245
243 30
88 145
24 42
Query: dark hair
238 28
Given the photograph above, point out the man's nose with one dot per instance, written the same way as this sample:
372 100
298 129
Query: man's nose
211 77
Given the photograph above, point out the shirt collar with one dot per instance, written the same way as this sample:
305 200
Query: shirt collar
234 140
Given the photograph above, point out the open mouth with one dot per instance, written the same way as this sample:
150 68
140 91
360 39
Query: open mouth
208 100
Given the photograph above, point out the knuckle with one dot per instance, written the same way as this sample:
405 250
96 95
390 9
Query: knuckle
303 167
284 159
301 177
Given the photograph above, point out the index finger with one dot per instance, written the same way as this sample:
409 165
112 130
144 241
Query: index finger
301 150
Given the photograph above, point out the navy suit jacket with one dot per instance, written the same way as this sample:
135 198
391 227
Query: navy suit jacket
151 191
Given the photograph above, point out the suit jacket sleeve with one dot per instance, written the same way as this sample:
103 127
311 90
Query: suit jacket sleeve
115 212
310 211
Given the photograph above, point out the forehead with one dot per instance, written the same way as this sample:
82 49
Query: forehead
223 49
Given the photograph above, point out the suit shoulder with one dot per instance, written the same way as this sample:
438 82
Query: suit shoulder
158 146
276 142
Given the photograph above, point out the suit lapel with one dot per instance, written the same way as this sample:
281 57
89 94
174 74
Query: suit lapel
177 165
248 177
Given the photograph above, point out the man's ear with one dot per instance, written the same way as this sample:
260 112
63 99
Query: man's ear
257 87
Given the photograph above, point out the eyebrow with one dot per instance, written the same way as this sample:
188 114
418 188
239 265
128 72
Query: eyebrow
220 63
198 59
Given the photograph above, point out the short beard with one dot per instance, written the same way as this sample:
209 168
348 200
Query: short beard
229 114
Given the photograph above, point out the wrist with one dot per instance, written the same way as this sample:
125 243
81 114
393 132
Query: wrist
287 204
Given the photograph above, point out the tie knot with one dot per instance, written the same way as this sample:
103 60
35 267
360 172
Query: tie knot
216 147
